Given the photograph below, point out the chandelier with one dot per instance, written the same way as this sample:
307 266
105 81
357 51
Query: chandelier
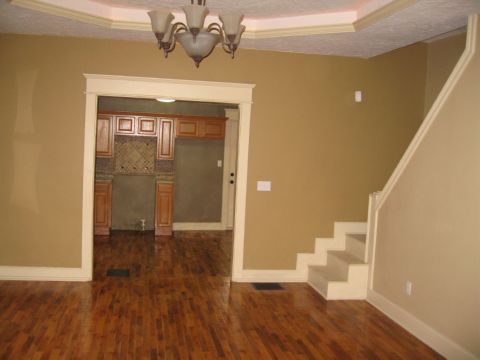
197 40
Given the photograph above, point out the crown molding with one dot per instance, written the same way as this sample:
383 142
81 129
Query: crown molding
381 13
314 24
65 12
299 31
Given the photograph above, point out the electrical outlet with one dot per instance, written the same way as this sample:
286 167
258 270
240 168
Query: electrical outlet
264 186
358 96
408 287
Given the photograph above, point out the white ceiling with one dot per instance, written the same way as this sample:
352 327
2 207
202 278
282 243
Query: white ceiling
415 21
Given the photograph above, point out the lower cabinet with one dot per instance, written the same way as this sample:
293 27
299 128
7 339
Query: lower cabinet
163 208
103 207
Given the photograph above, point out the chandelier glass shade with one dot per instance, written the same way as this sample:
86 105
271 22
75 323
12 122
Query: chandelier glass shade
197 40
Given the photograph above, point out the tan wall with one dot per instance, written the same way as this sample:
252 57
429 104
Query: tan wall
322 152
442 56
428 228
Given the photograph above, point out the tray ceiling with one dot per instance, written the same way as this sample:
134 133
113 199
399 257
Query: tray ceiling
362 28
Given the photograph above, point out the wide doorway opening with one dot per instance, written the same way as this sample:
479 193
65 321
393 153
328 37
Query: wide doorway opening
164 178
235 95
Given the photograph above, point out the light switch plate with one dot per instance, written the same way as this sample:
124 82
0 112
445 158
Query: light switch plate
219 163
358 96
264 186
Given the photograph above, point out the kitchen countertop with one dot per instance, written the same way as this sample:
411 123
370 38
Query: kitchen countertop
165 177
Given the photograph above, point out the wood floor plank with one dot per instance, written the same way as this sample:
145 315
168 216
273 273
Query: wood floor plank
178 303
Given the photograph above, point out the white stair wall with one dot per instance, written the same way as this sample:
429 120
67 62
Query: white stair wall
337 268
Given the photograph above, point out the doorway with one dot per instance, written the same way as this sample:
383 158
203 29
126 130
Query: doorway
199 166
98 85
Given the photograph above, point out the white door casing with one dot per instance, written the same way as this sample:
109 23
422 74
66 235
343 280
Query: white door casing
150 88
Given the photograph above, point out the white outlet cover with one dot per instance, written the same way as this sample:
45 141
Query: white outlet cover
219 163
264 186
408 288
358 96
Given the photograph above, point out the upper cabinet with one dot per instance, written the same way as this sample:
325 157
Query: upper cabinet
104 136
204 128
125 125
147 125
166 139
187 128
165 129
212 129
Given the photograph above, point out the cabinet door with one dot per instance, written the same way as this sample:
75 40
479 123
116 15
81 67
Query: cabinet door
163 209
146 126
166 139
212 129
102 207
104 136
187 128
125 125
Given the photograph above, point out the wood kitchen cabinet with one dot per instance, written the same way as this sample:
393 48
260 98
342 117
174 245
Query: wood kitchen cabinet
125 125
102 207
200 128
187 128
104 147
163 208
166 129
147 125
212 129
166 139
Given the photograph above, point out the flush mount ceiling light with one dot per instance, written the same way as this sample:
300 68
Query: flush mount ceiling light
197 40
165 100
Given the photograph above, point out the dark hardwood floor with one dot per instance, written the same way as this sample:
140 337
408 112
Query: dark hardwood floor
178 303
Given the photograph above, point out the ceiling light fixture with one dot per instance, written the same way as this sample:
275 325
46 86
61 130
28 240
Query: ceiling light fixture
197 40
166 100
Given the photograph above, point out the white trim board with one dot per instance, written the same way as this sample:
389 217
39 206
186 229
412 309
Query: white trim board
418 328
229 166
31 273
200 226
151 88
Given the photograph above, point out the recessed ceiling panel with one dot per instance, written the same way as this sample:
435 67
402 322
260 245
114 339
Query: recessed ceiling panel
251 8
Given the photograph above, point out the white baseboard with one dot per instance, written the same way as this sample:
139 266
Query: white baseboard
418 328
198 226
30 273
269 276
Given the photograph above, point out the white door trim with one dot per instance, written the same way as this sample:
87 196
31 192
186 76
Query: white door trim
229 165
150 88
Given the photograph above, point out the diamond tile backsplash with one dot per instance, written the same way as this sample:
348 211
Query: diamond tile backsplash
134 155
104 165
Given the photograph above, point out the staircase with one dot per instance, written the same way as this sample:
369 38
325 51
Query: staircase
337 269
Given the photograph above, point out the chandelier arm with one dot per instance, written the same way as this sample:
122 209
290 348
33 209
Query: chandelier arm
225 46
215 27
179 26
169 45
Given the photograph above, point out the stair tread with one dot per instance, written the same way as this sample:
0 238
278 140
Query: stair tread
328 273
359 237
346 256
